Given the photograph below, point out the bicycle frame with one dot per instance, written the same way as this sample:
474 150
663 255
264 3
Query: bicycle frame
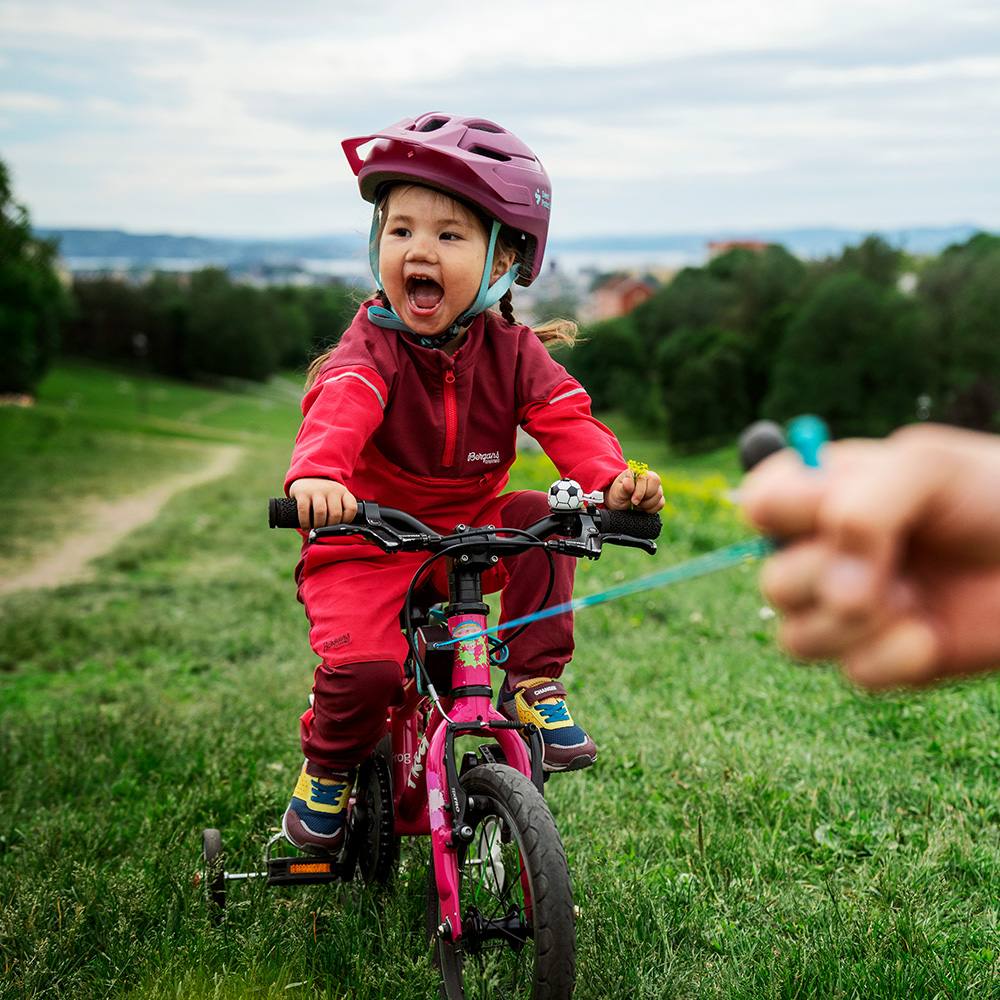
428 798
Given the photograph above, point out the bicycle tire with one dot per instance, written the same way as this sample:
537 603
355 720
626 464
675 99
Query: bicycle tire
544 968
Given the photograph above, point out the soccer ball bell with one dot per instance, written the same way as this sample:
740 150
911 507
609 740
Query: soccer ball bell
565 494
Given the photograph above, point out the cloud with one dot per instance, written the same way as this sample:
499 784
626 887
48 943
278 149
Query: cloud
31 103
227 117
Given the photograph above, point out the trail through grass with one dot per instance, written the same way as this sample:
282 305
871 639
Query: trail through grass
752 828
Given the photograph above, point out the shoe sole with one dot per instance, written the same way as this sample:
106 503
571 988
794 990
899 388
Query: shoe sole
314 849
576 764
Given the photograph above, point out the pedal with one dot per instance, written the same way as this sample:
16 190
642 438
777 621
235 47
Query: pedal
305 870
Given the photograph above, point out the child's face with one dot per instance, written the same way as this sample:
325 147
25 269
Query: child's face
431 256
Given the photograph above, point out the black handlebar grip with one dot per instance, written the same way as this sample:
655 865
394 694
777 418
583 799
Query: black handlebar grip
282 512
630 522
759 440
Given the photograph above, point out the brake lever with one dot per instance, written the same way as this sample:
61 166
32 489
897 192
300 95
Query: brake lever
629 542
387 544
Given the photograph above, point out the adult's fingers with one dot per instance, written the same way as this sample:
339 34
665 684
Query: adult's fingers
906 654
781 497
789 579
873 502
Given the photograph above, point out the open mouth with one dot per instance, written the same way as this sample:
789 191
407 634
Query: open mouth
423 294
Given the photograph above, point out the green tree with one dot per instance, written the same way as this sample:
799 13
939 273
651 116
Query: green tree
695 298
109 314
328 311
229 330
960 295
702 374
611 362
875 259
855 353
32 299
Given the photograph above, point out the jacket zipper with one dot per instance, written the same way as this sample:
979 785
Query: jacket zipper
450 419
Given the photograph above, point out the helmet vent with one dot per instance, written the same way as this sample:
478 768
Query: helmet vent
493 154
433 125
485 127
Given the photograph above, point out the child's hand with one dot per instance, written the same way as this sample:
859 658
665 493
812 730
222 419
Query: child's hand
321 502
892 564
643 493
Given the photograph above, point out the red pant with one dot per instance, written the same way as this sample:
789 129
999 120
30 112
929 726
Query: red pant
353 609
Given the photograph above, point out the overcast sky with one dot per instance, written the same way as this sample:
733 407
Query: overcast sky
690 115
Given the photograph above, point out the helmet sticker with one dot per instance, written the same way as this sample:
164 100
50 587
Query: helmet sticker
543 198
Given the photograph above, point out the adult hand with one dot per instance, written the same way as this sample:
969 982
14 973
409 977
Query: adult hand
893 561
321 502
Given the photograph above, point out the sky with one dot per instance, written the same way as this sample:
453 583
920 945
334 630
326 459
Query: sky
685 116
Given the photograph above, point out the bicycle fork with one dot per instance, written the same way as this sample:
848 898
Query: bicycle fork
472 713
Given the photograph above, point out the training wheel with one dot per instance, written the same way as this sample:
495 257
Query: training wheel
215 875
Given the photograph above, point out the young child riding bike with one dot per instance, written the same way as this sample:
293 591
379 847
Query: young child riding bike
417 407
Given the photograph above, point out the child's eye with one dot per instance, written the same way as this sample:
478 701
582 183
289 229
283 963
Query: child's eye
450 236
400 231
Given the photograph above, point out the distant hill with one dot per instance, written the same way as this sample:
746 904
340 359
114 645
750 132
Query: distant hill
813 242
145 248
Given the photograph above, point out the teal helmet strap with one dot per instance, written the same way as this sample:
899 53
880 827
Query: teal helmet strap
373 249
487 296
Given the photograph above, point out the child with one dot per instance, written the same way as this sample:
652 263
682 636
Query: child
895 566
417 408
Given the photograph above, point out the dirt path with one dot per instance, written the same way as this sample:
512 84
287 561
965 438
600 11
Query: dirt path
106 523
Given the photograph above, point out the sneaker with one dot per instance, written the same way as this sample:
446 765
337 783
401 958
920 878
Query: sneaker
542 700
315 818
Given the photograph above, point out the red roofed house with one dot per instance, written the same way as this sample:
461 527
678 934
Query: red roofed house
617 296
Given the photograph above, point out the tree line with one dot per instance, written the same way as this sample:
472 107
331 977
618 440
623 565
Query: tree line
870 340
202 324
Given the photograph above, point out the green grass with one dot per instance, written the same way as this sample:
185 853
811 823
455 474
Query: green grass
98 433
753 828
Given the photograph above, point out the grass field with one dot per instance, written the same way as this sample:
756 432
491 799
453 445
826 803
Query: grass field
753 828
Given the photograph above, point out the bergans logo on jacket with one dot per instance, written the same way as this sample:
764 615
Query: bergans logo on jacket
484 456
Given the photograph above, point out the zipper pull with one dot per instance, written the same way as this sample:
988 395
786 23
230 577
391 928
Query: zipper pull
449 376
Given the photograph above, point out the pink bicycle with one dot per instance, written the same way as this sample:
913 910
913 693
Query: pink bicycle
499 899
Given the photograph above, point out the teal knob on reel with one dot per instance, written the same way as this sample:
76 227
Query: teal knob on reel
807 435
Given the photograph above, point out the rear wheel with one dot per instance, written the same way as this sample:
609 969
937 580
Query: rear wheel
518 936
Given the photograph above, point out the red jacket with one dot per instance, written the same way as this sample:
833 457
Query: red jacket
434 435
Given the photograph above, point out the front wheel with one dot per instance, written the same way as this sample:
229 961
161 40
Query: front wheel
516 900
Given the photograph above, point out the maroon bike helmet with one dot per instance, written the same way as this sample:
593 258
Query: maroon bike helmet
473 159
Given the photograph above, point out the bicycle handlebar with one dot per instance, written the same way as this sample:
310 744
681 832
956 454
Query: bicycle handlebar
619 525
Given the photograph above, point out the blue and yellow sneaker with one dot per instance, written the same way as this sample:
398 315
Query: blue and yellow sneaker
542 700
314 820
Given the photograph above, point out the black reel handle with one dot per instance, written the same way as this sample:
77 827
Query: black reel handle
630 522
